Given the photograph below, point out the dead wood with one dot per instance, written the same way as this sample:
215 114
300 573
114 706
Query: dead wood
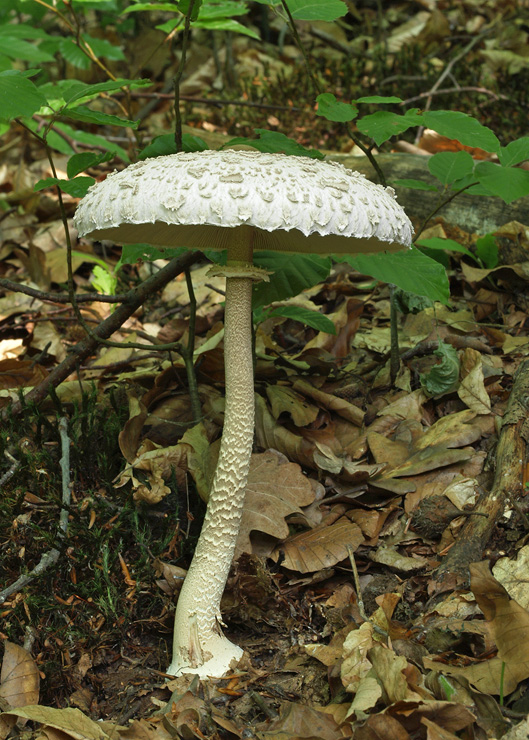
507 487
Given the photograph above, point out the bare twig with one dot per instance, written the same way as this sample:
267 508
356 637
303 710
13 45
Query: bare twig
451 90
178 77
59 297
15 464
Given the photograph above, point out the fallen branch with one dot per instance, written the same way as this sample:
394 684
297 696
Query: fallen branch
131 302
51 557
506 487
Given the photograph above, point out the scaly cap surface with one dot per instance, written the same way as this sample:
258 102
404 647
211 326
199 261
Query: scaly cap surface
296 204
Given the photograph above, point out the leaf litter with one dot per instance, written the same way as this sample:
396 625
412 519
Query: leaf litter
358 490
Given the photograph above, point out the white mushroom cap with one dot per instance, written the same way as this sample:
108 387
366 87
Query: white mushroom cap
295 204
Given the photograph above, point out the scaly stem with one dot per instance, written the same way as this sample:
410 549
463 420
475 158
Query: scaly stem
199 645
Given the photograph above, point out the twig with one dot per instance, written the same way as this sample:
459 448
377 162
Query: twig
51 557
15 464
133 300
187 353
359 599
451 90
178 77
59 297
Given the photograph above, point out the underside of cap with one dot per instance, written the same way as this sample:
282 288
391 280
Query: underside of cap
294 204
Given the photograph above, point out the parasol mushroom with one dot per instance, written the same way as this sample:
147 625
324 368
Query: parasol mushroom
239 201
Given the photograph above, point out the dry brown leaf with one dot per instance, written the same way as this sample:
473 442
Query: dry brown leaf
72 722
271 435
319 548
15 373
284 399
300 722
471 388
275 489
333 403
19 677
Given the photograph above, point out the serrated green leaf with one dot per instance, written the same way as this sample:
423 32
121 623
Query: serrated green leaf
20 96
77 187
292 273
82 113
224 9
317 10
508 183
487 251
414 184
383 124
410 270
335 110
103 48
444 377
450 166
463 128
515 152
305 316
103 280
273 141
81 162
379 99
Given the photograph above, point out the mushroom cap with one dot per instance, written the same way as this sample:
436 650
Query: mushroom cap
194 200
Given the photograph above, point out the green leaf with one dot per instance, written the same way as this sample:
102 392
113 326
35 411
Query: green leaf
292 273
15 48
314 319
444 377
19 96
457 125
103 48
104 280
508 183
79 90
410 302
224 9
226 24
379 99
166 144
72 54
414 184
139 7
183 7
515 152
317 10
273 141
487 250
409 270
383 124
81 162
57 142
448 245
77 187
334 110
82 113
450 166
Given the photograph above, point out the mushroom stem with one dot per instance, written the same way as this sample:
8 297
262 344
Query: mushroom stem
199 645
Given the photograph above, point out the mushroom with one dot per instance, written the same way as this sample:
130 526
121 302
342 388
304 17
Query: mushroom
239 201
